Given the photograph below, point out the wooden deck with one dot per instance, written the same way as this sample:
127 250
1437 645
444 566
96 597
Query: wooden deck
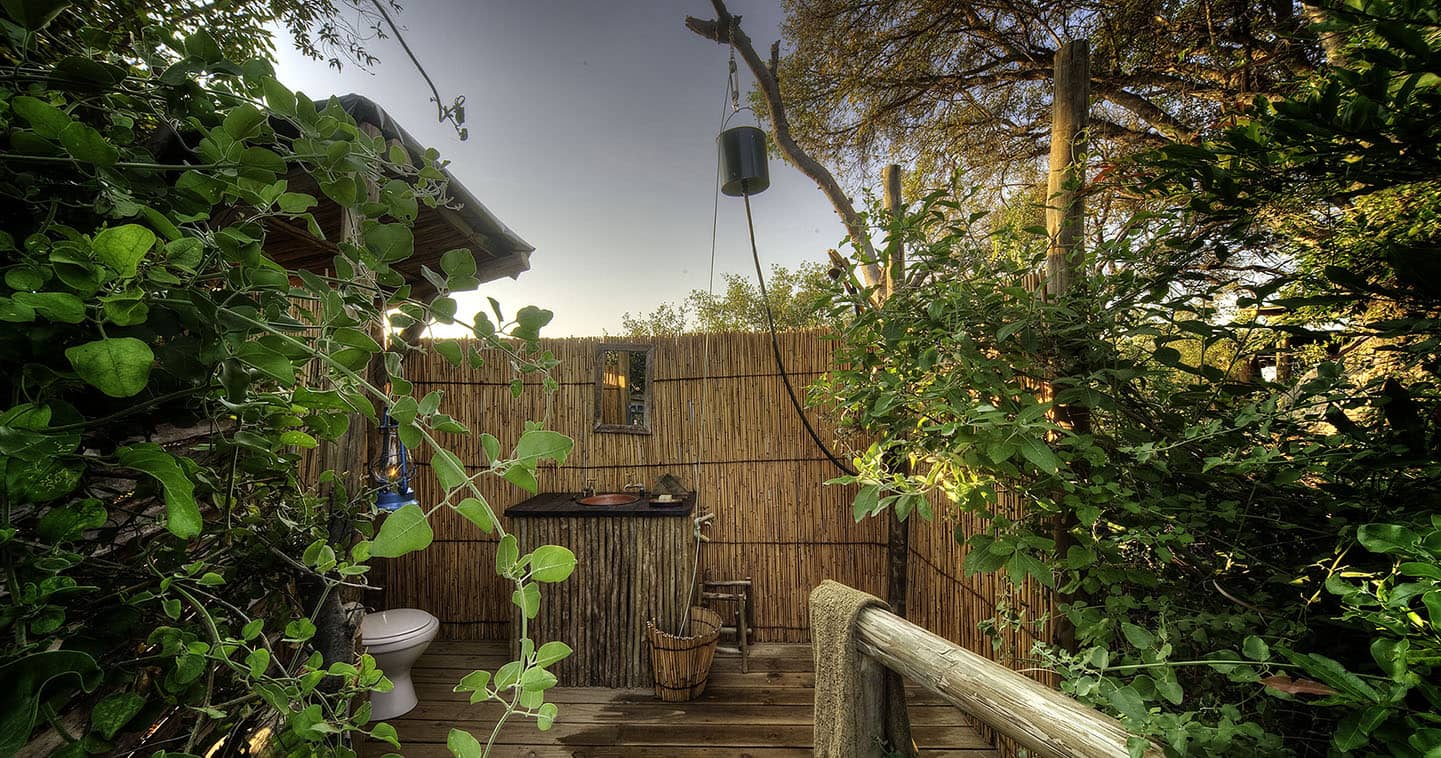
766 713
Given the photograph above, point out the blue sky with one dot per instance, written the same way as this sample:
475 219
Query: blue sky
592 135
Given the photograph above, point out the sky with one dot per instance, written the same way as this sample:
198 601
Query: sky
592 131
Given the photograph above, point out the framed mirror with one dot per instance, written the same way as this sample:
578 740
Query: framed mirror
623 388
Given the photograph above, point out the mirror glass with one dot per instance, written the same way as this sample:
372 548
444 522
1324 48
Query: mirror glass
623 388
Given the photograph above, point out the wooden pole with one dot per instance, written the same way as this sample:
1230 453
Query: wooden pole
1036 716
898 539
1065 207
898 531
1065 223
335 628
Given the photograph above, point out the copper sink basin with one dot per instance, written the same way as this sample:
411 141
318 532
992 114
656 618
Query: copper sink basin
611 499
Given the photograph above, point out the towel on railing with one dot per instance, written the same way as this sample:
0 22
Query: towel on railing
835 609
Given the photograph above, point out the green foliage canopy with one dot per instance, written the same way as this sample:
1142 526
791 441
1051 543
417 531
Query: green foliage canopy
1249 563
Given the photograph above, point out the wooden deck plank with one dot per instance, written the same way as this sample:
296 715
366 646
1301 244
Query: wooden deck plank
767 713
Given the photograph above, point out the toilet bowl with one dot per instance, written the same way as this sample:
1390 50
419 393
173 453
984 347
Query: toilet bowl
396 638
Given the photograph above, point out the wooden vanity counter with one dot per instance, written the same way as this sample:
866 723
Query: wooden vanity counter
633 563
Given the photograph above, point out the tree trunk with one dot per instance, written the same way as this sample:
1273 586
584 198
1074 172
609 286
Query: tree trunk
1065 223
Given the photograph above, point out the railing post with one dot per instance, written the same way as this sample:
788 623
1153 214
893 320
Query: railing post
871 708
1039 718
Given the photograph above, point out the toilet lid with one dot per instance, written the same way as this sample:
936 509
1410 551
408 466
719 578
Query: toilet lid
389 625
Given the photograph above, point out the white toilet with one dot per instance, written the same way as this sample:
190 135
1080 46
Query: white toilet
396 638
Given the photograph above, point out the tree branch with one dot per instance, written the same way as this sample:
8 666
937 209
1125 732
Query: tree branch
725 29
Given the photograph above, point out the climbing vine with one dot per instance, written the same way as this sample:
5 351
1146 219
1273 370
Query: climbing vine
166 569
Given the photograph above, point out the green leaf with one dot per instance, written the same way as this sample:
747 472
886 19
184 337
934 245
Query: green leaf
47 120
181 511
538 445
473 682
529 321
299 630
404 531
297 438
545 717
537 679
1128 703
551 563
25 278
86 144
448 469
507 554
202 47
295 202
126 308
31 677
1021 565
121 248
867 500
1256 648
458 264
1040 455
258 661
527 599
1386 538
552 652
352 337
390 242
268 362
111 714
1167 686
69 521
449 350
385 733
243 121
60 307
1139 638
476 512
491 445
263 160
278 97
462 744
1349 735
523 478
33 14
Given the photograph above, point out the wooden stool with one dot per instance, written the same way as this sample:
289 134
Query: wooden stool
736 592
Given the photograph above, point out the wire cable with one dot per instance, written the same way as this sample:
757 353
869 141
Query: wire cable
776 347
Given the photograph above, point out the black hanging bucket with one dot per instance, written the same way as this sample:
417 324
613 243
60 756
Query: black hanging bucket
743 161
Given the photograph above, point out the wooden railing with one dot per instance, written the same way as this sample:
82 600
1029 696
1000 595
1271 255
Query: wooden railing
1035 716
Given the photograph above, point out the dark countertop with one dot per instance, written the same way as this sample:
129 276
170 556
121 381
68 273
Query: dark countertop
558 504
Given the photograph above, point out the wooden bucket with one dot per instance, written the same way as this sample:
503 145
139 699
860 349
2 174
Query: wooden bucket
682 664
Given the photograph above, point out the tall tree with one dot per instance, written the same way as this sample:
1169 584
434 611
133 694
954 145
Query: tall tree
945 85
799 298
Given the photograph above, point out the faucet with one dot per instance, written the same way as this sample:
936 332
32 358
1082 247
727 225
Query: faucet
636 487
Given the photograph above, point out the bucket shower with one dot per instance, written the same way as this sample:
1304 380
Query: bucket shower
743 161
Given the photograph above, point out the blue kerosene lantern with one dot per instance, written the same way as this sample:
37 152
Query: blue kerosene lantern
391 470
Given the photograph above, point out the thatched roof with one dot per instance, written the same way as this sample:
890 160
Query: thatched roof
498 251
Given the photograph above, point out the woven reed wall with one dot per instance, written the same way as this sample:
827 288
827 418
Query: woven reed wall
776 522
